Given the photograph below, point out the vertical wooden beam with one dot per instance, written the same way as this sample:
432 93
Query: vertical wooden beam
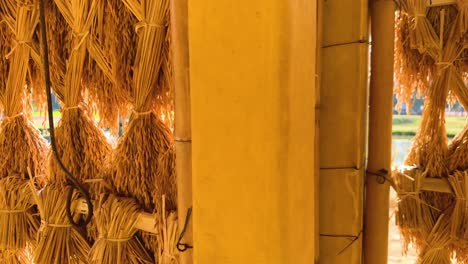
183 132
380 131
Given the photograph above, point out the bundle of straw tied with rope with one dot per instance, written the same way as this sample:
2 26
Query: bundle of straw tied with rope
431 62
105 60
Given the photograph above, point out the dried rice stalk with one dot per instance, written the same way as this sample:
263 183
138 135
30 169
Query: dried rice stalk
412 70
167 237
58 240
17 215
437 250
23 26
463 9
459 217
147 172
59 41
457 158
15 257
422 35
429 149
112 48
5 46
415 65
81 146
117 242
413 215
21 145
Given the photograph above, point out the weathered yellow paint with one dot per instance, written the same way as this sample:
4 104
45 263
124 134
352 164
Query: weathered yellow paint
345 21
343 120
341 211
252 73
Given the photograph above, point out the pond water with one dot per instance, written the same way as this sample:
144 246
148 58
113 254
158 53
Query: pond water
400 148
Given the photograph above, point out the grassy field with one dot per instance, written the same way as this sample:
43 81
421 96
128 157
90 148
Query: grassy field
406 126
39 114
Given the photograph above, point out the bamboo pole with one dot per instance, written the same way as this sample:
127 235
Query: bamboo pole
183 132
380 131
441 2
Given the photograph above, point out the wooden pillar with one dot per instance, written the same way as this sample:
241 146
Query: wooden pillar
380 131
183 132
252 78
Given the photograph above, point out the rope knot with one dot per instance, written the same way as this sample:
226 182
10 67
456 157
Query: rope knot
82 38
67 108
145 24
142 113
116 240
442 65
47 224
8 119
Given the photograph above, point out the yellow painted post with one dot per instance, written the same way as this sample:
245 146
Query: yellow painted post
183 133
252 79
317 126
380 131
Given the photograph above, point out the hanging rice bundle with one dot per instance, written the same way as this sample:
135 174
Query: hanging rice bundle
117 243
81 146
426 218
421 34
429 149
437 250
122 47
21 145
411 211
111 46
59 39
462 6
147 172
459 220
58 240
417 210
5 47
412 70
19 225
457 158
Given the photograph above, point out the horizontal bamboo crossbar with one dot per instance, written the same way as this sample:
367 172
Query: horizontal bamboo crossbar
145 222
436 185
441 2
